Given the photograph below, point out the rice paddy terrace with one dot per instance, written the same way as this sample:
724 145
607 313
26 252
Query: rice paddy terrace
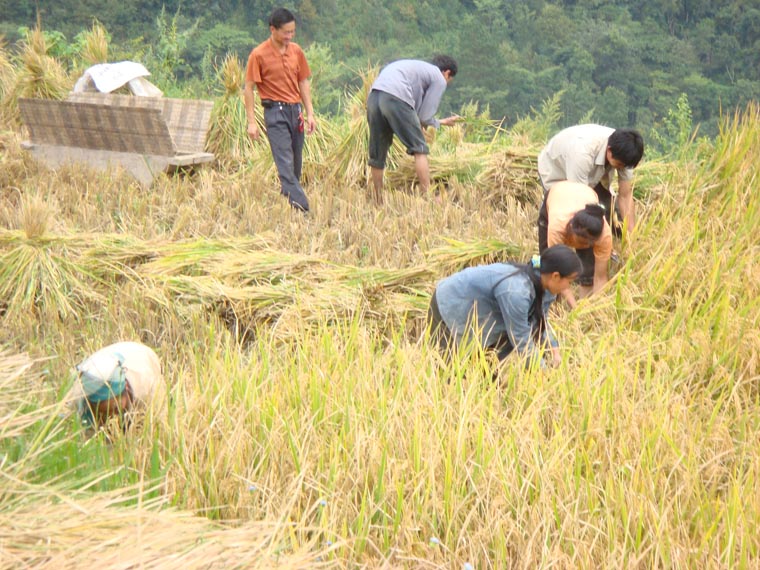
309 423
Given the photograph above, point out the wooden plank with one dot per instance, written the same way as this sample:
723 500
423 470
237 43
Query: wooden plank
116 100
88 125
188 122
191 159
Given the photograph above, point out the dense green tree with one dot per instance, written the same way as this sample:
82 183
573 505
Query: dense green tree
615 61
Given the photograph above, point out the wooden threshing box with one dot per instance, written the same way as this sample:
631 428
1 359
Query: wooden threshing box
144 135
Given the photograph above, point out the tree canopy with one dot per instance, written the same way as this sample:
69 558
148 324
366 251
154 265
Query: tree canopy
617 62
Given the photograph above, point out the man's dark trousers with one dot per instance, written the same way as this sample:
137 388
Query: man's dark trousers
285 133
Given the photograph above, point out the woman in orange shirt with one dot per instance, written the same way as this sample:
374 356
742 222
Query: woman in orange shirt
576 219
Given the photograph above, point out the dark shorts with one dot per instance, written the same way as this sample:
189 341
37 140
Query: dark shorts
586 278
388 115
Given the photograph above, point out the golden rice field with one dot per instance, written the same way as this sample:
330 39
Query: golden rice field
308 423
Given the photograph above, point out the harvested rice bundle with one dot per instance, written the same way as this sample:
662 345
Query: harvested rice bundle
459 254
7 79
76 523
511 172
443 168
39 76
195 256
348 160
228 135
94 45
39 276
42 275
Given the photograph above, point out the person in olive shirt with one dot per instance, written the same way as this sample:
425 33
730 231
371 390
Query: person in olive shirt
278 69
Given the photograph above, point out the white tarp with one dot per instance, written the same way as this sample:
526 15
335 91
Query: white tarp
107 77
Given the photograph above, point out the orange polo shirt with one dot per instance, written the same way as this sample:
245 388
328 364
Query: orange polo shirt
563 201
275 74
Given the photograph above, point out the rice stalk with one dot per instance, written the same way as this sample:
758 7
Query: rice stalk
348 160
7 80
34 217
228 133
457 254
141 531
37 76
40 75
39 277
193 257
95 45
511 172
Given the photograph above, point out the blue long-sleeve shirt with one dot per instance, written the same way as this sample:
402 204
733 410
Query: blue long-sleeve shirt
492 300
417 83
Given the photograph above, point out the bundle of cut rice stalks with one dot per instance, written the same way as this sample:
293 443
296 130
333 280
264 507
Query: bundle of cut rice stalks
95 45
264 286
51 526
457 255
348 158
510 172
228 135
64 275
462 166
199 256
37 274
318 148
39 76
7 79
38 277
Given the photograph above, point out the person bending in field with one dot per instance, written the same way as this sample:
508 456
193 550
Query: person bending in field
402 101
576 219
590 155
114 382
504 306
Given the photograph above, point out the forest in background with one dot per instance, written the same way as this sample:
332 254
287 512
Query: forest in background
618 62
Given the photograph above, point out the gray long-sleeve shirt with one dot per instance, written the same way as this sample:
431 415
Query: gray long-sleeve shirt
492 300
417 83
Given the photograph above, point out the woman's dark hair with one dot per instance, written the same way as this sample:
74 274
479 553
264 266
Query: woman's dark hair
588 222
445 63
560 259
280 17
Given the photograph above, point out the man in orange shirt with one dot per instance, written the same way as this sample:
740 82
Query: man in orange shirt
278 69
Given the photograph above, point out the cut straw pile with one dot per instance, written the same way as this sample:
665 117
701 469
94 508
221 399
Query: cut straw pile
39 76
68 276
228 135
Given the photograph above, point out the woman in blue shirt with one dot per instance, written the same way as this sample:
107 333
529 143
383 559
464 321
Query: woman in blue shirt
503 305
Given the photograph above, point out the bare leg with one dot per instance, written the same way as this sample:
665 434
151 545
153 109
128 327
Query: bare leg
377 183
423 172
584 291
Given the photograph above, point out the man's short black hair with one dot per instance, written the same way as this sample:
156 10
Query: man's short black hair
445 63
627 146
280 17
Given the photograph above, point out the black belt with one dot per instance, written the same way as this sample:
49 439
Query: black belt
268 103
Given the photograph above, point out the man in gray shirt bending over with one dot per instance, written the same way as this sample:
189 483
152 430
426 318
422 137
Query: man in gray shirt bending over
403 99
